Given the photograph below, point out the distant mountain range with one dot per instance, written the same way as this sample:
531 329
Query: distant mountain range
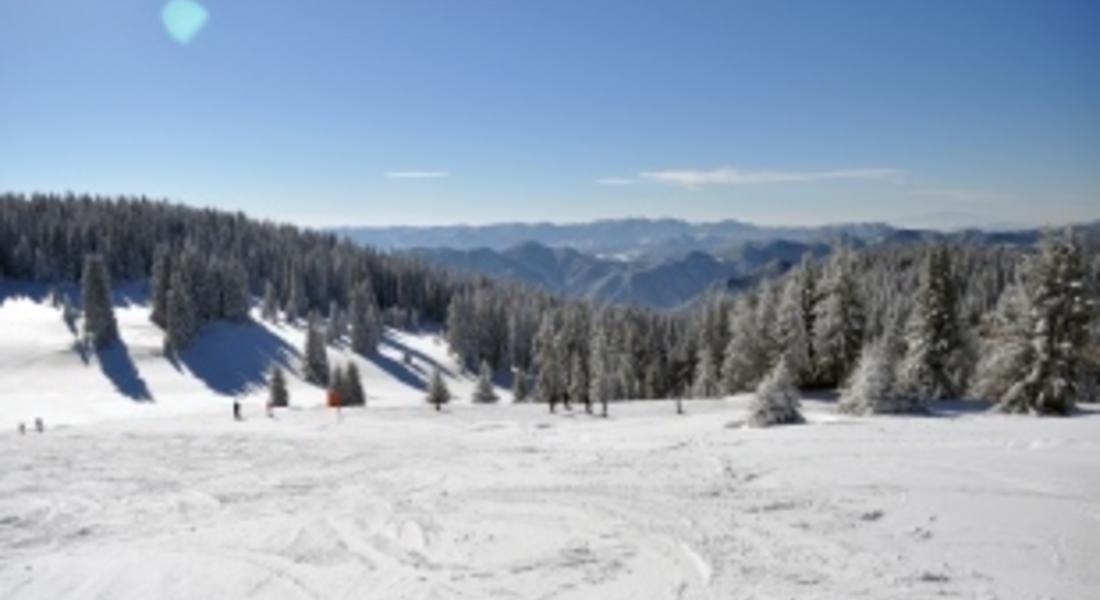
663 263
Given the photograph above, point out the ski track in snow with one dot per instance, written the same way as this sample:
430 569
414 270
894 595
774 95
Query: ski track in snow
406 503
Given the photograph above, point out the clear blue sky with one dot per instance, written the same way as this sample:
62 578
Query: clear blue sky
448 111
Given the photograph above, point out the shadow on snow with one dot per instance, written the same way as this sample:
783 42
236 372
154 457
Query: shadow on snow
232 358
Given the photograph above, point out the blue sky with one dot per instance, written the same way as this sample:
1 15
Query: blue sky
448 111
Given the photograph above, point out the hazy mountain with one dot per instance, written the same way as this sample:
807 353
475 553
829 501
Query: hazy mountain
620 238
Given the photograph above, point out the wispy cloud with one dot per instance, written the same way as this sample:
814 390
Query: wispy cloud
417 174
616 181
694 178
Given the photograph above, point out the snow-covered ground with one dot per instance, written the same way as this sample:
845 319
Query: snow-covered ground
154 492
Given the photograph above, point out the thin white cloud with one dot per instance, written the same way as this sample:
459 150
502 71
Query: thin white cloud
417 174
694 178
616 181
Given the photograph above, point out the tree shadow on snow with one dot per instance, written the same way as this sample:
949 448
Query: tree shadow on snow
399 371
232 358
418 356
116 364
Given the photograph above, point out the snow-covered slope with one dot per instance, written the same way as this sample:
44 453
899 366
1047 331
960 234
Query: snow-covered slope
44 373
510 502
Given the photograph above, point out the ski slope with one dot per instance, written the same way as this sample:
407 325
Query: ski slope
44 373
167 497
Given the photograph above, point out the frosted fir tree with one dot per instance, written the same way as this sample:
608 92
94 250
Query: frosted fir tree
296 302
1062 306
705 384
745 359
793 326
599 373
551 381
578 383
1006 349
337 326
161 284
269 310
438 394
278 396
366 327
930 369
100 327
182 321
839 321
483 392
354 395
520 386
236 299
872 388
315 367
776 401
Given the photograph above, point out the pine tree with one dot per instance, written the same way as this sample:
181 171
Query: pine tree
315 367
182 322
270 310
839 322
438 394
793 325
1006 348
745 359
1062 306
161 283
776 401
706 379
520 389
337 325
279 397
353 387
366 329
599 375
930 370
550 382
873 387
100 327
297 301
235 295
578 383
484 393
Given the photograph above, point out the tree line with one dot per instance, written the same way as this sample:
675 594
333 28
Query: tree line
894 327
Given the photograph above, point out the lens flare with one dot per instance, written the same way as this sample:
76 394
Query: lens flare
184 19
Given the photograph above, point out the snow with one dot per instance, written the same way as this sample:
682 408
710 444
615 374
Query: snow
44 374
170 498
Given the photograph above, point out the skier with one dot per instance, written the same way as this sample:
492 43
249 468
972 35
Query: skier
22 428
236 410
39 426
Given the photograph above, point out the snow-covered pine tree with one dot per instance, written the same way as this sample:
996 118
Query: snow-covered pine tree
930 369
745 359
181 321
279 397
315 366
438 394
599 373
236 299
337 326
483 392
297 301
872 388
100 327
353 386
838 321
793 327
366 328
161 283
776 401
462 333
520 386
1062 307
550 382
269 310
578 383
706 376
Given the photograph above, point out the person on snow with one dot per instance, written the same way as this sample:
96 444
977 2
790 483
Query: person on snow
236 410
